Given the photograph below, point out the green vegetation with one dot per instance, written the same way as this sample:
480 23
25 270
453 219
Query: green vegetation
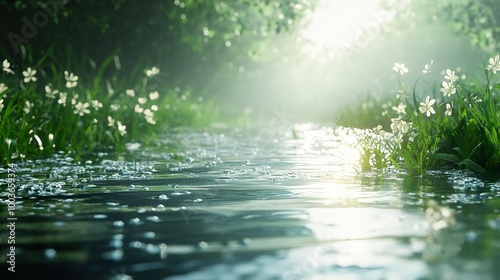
44 109
457 126
86 76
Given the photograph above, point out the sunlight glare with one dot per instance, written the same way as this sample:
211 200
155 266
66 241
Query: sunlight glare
338 24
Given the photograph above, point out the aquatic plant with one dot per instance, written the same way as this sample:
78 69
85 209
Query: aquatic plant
44 109
458 128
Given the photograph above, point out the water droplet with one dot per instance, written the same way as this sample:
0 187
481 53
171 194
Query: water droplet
49 253
155 219
115 255
202 245
118 224
137 244
100 216
149 235
135 221
152 249
163 197
245 241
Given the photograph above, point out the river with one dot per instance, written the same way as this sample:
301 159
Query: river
226 203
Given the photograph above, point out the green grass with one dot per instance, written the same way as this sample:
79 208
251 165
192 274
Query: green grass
96 111
457 126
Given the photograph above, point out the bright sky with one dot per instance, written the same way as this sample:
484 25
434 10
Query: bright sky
339 22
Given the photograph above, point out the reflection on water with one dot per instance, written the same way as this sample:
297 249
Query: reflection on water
234 204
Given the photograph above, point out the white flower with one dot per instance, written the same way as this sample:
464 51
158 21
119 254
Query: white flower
398 125
152 72
62 98
115 107
81 108
426 107
149 116
494 64
27 107
148 113
142 100
3 87
111 121
1 105
122 129
138 109
450 75
427 67
403 91
6 67
378 130
400 67
448 89
74 99
51 93
96 104
71 79
154 95
449 110
130 92
400 109
154 108
29 75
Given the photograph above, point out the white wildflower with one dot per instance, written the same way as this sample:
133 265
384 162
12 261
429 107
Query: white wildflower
29 75
426 106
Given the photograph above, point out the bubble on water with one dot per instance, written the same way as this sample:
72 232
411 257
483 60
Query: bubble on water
198 200
160 206
180 193
141 210
163 197
245 242
137 244
118 224
115 255
116 243
49 253
118 236
202 245
155 219
69 215
100 216
152 249
59 224
121 277
163 250
149 235
113 204
135 221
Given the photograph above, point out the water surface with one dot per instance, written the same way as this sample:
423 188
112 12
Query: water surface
249 204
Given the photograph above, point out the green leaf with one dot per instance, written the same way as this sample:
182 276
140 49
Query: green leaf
448 157
471 165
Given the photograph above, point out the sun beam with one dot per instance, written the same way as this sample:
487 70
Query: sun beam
341 24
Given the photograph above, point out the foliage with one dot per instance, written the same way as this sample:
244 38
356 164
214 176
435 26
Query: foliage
458 126
180 37
44 109
477 19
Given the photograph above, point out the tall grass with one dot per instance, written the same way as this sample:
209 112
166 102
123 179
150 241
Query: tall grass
76 110
457 126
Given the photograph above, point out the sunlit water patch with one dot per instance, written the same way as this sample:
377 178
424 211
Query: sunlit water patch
249 204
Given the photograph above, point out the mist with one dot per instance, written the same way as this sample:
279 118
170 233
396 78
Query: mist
313 79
